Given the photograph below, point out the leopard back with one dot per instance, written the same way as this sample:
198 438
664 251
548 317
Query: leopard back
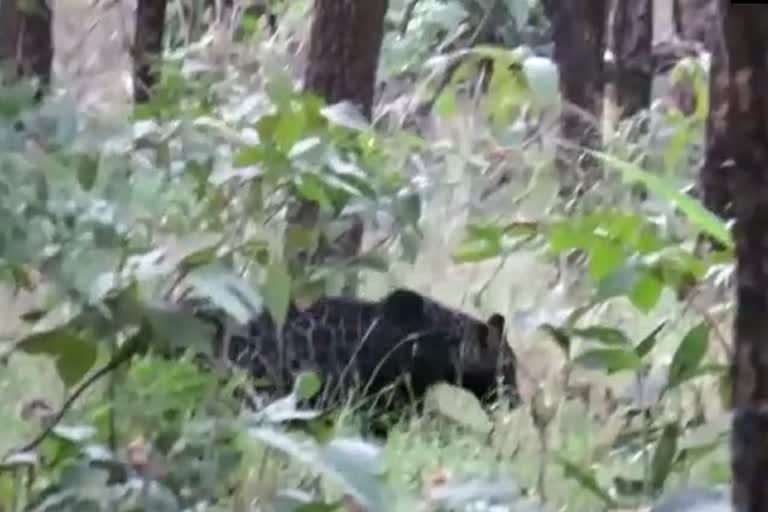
368 346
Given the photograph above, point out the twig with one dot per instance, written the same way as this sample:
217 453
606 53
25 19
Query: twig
480 32
131 348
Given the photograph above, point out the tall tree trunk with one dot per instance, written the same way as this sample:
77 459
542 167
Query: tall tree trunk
26 45
579 33
147 47
696 20
740 121
713 174
344 45
632 44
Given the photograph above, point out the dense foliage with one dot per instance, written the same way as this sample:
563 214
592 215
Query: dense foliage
105 228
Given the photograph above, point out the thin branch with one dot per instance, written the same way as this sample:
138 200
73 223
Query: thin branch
131 348
480 32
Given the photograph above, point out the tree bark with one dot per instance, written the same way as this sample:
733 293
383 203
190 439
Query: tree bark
579 34
696 20
147 47
740 122
344 46
713 174
25 39
633 53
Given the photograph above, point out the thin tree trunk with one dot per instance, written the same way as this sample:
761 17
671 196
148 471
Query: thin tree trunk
579 33
344 45
740 121
632 49
26 46
147 47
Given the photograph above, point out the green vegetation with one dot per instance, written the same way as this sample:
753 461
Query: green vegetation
102 231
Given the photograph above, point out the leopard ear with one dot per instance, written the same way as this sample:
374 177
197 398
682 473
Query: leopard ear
495 325
404 307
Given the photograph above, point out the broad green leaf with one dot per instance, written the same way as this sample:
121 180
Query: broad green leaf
605 256
19 460
479 249
306 385
607 335
463 495
543 79
277 291
459 405
664 456
445 105
173 329
694 211
609 359
689 355
226 290
87 170
646 292
74 355
76 434
290 126
617 283
355 465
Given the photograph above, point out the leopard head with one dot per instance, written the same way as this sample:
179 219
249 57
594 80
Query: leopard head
480 356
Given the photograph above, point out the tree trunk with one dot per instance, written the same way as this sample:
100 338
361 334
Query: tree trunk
25 39
696 20
632 49
740 121
147 47
713 174
579 34
344 45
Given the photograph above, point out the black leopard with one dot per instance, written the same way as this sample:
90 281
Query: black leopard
401 344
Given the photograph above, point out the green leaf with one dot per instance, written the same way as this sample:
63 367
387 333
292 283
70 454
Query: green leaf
445 105
609 359
226 290
479 249
307 385
618 283
481 242
646 292
87 170
664 456
173 329
689 355
74 355
605 256
543 79
277 291
694 211
607 335
75 434
586 478
355 465
646 344
459 405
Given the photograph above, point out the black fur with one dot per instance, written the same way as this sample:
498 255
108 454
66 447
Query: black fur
404 342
